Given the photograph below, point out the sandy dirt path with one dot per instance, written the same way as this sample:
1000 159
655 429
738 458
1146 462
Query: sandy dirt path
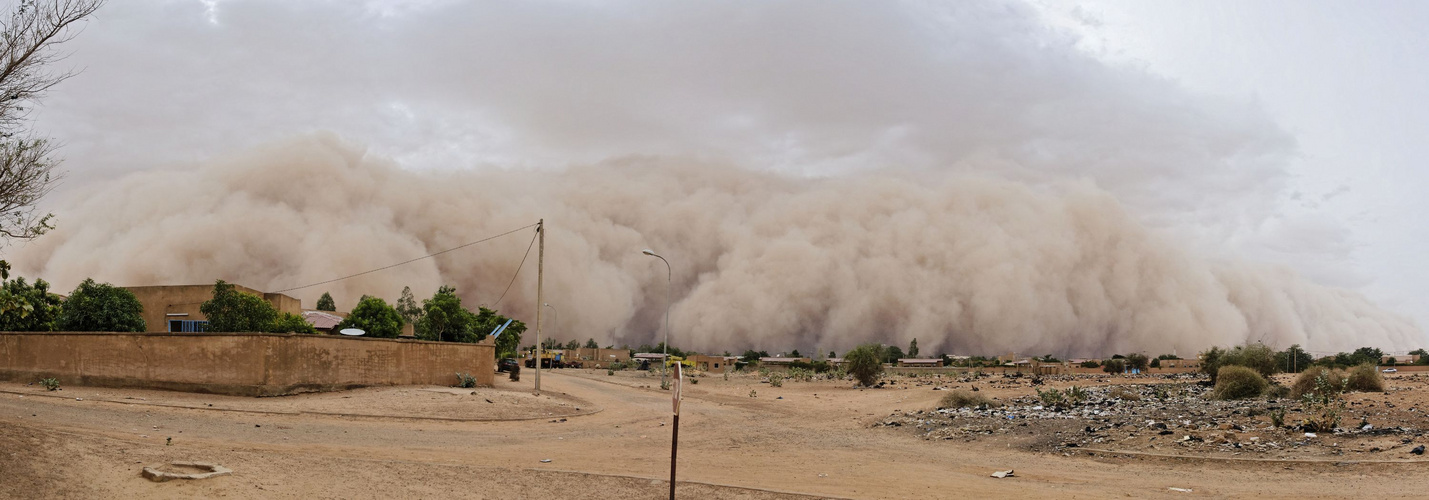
816 440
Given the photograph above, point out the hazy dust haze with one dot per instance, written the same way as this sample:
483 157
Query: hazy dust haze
965 263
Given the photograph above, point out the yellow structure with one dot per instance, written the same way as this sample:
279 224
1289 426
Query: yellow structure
174 308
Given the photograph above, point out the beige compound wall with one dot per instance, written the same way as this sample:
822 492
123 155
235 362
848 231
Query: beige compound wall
249 364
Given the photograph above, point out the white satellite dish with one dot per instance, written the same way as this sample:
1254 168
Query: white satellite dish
352 331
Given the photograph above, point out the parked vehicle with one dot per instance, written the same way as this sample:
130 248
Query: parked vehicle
505 365
1391 370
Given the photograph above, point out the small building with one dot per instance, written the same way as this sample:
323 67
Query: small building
712 364
780 363
175 308
322 321
921 362
595 357
1399 359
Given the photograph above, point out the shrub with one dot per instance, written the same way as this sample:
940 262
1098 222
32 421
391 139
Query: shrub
865 363
1052 398
1091 364
1124 394
1238 382
1309 382
101 307
1364 378
1114 366
964 399
1257 357
51 384
776 380
465 380
1323 404
1076 394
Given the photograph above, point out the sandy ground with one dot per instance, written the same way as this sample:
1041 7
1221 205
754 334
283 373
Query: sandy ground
739 438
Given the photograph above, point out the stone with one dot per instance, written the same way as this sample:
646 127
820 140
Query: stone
153 473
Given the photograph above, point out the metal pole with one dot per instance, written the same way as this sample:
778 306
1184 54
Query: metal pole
674 447
540 277
666 372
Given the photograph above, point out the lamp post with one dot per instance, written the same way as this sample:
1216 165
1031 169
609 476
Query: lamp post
554 312
665 347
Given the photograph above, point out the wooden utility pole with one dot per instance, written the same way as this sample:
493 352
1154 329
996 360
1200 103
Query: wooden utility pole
540 276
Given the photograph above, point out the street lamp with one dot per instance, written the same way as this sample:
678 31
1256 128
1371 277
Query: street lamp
554 312
665 347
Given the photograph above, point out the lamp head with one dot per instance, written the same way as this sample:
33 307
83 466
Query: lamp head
649 252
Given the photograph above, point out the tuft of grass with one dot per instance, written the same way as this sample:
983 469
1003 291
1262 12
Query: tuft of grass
964 399
51 383
1364 378
776 380
1238 382
465 380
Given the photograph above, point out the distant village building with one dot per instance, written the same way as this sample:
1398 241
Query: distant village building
712 364
322 321
921 362
780 363
174 308
594 357
1400 359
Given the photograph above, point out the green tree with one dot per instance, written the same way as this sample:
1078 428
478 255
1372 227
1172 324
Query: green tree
1367 355
1136 361
287 322
1257 357
101 307
325 303
1114 365
865 363
1293 360
891 354
374 316
445 320
233 311
488 320
795 354
590 344
408 308
573 344
33 308
752 355
913 348
832 355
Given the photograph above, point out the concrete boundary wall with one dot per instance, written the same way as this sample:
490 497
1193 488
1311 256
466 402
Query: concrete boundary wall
247 364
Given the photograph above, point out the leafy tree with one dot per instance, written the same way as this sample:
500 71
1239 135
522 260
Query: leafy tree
1048 359
865 363
831 355
33 308
891 354
325 303
1293 360
1168 356
233 311
1156 362
408 308
444 319
752 355
590 344
795 354
1367 355
1091 363
101 307
1257 357
573 344
488 320
1114 365
913 348
287 322
374 316
1136 361
28 41
1423 356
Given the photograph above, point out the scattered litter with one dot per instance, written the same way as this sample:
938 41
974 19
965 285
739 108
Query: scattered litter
1418 450
79 399
1002 473
545 460
1182 490
153 473
1310 435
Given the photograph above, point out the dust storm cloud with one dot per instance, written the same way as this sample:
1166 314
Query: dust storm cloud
965 263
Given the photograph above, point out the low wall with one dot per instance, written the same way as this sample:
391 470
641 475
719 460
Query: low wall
248 364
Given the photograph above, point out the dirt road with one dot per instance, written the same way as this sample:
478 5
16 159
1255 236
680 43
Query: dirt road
813 438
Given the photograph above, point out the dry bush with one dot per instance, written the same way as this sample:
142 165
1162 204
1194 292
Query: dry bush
964 399
1364 378
1124 394
1305 383
1239 382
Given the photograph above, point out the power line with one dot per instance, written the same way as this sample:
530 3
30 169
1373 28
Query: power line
428 256
518 272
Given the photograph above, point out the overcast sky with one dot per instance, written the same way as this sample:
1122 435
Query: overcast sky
1280 132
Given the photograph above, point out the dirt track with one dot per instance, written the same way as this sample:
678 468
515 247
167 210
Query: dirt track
818 440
